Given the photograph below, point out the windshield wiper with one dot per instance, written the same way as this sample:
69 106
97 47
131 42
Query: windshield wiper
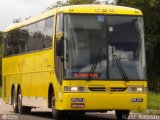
120 67
93 68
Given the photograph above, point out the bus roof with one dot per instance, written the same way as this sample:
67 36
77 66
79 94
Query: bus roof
80 9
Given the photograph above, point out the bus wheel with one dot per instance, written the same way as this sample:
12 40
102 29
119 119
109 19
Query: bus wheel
57 114
14 101
22 109
122 114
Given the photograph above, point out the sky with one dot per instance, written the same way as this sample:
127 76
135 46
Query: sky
13 9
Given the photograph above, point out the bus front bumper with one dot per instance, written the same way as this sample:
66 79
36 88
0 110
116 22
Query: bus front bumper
102 101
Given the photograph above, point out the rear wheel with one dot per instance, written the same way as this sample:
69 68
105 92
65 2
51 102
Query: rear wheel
14 101
22 109
122 114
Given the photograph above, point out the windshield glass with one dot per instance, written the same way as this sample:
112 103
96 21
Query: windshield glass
103 47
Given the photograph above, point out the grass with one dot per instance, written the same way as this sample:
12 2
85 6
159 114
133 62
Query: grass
153 101
153 104
0 91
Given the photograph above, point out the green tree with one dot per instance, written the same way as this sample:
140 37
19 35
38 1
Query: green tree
17 20
151 11
77 2
70 2
1 38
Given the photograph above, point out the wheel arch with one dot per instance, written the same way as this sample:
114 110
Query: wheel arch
18 87
50 93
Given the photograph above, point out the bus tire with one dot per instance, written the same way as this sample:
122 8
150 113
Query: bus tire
122 114
14 101
57 114
22 109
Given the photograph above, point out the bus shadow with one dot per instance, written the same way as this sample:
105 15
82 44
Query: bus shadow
48 116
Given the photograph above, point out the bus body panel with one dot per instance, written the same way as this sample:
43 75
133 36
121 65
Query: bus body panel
33 72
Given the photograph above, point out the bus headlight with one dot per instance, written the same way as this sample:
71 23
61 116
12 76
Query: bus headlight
74 89
137 89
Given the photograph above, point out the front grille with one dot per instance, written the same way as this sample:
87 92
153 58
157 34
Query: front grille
117 89
97 89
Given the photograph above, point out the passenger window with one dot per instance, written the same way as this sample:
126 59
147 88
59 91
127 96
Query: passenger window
31 43
40 35
32 37
7 44
24 35
11 43
15 41
48 32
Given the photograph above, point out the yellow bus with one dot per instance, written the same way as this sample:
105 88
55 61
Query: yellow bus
76 59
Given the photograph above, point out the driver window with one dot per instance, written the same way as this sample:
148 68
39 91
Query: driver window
59 26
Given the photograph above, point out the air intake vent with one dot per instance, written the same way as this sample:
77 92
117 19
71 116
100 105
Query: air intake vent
97 89
117 89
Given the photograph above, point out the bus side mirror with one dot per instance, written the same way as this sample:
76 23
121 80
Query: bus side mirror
59 47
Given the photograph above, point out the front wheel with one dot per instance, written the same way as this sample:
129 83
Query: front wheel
122 114
57 114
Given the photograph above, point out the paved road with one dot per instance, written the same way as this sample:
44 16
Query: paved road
45 114
6 113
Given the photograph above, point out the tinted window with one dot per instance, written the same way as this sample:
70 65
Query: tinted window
40 35
32 37
15 41
48 32
11 41
24 35
31 43
7 44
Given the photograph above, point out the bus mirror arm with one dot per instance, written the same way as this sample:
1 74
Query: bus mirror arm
59 46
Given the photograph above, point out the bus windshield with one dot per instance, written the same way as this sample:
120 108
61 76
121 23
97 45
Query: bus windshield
103 47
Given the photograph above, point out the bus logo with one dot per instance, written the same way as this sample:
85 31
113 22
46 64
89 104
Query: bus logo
100 18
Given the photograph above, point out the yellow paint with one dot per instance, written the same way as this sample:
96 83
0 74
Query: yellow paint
34 71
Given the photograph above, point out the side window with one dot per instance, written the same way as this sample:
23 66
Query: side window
15 41
32 37
7 44
31 43
24 35
48 32
11 43
40 35
59 25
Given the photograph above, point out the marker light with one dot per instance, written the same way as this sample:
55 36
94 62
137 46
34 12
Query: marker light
111 10
136 11
97 10
71 9
104 10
